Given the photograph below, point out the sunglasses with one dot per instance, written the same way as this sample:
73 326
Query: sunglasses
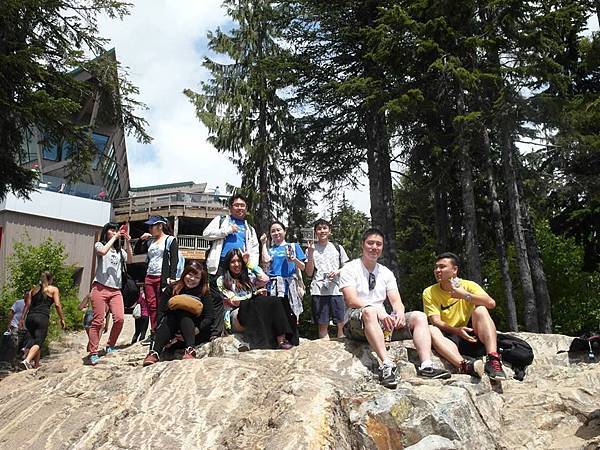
372 281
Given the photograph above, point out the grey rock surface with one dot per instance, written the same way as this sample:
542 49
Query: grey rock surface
320 395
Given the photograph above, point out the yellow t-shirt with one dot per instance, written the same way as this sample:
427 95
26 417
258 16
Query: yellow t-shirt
455 312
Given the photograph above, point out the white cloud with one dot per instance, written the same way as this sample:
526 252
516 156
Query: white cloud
163 44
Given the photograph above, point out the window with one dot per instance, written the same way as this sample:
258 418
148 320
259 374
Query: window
51 152
100 141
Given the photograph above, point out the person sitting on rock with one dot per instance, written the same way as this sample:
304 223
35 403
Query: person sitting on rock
365 285
250 310
178 317
460 321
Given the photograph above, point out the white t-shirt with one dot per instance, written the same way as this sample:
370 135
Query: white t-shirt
108 267
355 274
327 259
17 309
155 258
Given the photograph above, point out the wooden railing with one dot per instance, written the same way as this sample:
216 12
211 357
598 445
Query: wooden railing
191 242
168 201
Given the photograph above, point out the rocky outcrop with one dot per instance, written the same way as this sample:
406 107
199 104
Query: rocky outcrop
322 394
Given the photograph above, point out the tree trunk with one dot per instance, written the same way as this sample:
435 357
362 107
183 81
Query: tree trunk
473 263
511 309
380 185
540 286
442 222
514 202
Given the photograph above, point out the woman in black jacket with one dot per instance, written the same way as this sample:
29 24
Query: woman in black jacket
194 283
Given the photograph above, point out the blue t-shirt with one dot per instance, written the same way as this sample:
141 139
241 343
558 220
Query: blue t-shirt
281 266
235 240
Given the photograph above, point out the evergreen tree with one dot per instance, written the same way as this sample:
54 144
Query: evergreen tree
240 104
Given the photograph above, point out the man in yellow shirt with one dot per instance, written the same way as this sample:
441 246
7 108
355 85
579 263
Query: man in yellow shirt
460 321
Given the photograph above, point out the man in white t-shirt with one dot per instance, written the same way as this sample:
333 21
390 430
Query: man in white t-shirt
324 263
365 285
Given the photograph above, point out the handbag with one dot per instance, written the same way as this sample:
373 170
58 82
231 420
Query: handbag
185 302
129 288
137 311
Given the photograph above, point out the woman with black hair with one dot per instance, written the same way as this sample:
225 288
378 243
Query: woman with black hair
36 317
162 259
192 288
262 318
106 287
285 261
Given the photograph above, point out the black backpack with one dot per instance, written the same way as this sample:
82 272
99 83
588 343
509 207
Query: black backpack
587 344
516 352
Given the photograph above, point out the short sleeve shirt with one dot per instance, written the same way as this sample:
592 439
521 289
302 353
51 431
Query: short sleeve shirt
281 266
327 259
235 240
156 253
17 309
453 311
355 274
108 267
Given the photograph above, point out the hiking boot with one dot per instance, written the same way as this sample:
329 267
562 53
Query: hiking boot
471 367
433 373
190 353
387 376
92 360
493 367
151 358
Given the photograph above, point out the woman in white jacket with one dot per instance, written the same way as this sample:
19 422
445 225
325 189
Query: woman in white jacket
226 233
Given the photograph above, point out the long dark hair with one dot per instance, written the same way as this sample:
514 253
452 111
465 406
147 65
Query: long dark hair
242 281
199 269
104 235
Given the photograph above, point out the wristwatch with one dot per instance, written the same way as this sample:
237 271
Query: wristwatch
468 297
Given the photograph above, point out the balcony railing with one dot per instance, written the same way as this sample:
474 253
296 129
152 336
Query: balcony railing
167 201
191 242
187 242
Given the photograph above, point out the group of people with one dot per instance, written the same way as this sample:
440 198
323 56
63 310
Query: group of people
251 286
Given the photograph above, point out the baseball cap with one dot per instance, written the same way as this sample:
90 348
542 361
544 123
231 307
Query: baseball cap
153 220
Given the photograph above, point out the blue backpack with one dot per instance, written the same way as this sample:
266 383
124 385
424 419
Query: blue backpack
180 258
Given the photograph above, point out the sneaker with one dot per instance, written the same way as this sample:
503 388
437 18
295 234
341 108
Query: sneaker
493 367
285 345
190 353
387 376
472 367
92 360
432 372
25 365
243 347
110 350
148 340
151 358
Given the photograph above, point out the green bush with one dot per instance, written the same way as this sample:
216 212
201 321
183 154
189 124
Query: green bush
24 267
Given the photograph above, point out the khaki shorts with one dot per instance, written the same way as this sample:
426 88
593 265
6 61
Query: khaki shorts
354 328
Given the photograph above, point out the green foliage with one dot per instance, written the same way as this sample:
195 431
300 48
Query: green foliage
575 294
24 267
348 225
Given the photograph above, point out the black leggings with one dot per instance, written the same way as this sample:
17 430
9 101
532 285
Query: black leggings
172 322
141 326
37 325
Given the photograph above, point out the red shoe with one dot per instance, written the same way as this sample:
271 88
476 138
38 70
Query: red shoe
151 358
190 353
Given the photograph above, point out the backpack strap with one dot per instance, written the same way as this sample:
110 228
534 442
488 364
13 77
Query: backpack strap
337 247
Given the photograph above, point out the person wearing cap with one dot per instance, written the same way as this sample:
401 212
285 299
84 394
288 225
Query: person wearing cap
161 271
225 234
